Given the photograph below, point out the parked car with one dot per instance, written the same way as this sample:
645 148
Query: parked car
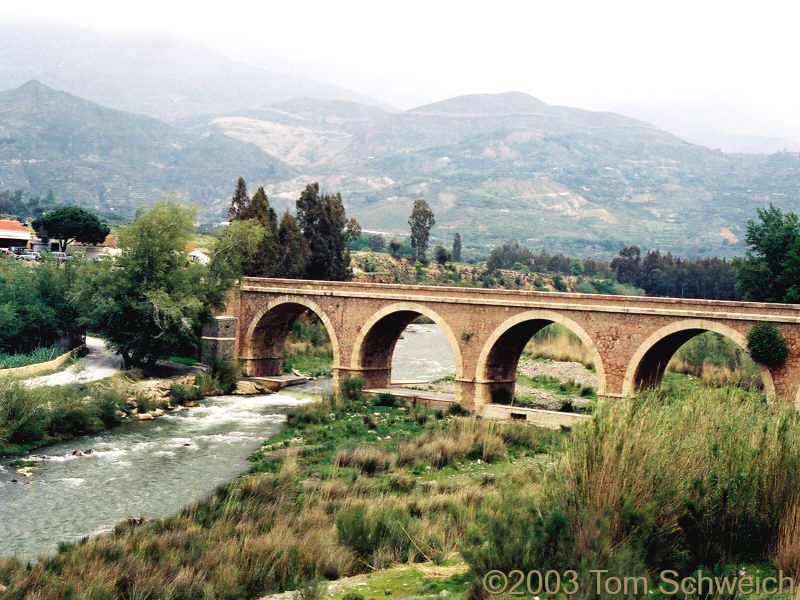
62 256
29 255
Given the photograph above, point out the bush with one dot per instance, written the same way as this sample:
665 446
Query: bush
180 394
385 399
226 371
351 387
559 283
766 344
353 530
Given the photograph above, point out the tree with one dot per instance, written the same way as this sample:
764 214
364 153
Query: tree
770 269
239 200
441 255
292 249
71 224
457 247
421 221
153 303
234 249
327 232
262 263
395 245
626 264
376 242
576 268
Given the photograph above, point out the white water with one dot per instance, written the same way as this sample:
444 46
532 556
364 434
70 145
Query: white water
155 468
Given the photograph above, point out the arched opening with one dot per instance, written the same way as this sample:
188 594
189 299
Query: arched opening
539 360
407 344
290 334
710 352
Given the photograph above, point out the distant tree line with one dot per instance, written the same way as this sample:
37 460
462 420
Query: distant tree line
14 204
657 274
667 275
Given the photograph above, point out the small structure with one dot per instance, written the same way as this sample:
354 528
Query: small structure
13 233
107 248
196 256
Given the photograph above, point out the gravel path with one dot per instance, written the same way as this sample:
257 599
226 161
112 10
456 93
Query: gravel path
99 363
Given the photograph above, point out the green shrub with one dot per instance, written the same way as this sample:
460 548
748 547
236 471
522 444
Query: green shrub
385 399
180 394
112 408
353 530
559 283
351 387
226 371
766 344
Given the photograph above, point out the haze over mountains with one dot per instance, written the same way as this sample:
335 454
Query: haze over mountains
493 167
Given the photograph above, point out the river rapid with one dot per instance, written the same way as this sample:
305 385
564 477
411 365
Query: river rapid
153 469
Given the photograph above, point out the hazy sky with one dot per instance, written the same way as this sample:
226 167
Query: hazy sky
729 64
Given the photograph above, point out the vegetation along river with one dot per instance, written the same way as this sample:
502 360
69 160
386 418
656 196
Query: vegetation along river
154 468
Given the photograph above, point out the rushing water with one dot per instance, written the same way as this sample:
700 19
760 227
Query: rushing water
155 468
140 469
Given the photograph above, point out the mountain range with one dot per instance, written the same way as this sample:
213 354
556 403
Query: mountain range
493 167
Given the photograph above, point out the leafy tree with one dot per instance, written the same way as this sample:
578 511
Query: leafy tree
376 242
457 247
505 256
421 221
576 268
263 262
154 302
441 255
35 310
770 269
327 232
234 249
395 245
626 265
292 249
71 224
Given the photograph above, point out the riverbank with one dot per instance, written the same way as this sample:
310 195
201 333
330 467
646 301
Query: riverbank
33 415
351 488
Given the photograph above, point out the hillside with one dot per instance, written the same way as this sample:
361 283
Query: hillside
111 160
493 167
497 167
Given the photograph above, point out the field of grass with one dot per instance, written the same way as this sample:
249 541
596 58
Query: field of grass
40 355
697 478
347 488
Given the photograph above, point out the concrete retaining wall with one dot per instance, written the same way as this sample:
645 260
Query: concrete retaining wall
37 368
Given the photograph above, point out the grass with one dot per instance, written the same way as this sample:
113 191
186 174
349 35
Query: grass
346 488
33 417
183 360
308 349
40 355
658 482
695 477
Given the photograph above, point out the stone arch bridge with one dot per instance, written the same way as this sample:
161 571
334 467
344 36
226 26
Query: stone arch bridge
631 338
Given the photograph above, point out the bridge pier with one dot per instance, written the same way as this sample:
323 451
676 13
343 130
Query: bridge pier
219 339
265 366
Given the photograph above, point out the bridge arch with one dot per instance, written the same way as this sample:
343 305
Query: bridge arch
496 369
649 362
376 340
262 349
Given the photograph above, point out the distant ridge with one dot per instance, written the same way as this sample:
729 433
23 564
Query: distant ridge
116 161
154 75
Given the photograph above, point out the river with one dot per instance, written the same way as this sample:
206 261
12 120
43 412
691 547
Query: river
154 468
